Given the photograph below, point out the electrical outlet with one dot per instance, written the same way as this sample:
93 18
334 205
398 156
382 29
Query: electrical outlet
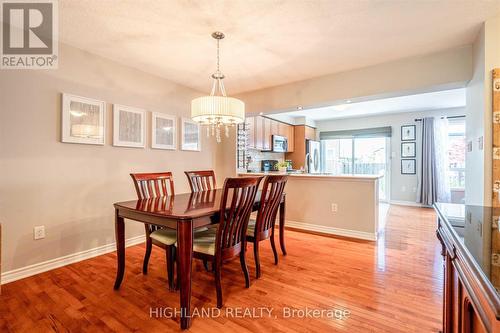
39 232
414 190
334 208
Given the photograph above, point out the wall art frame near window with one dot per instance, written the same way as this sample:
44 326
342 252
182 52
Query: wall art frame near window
408 149
408 166
190 135
83 120
163 131
408 132
129 126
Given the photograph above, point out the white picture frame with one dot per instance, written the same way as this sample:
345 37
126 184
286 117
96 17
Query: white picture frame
129 126
163 131
83 120
190 135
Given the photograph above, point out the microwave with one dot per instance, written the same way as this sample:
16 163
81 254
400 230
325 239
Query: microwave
279 144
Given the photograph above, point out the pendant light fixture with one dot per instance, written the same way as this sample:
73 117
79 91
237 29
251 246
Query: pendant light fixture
217 110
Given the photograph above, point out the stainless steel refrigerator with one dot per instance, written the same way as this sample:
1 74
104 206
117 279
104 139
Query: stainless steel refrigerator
313 157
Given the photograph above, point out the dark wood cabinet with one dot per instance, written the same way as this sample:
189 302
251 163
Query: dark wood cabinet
470 303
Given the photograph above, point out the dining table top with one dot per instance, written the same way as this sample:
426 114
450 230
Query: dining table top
180 206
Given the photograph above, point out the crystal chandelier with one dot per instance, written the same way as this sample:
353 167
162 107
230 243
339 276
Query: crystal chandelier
218 110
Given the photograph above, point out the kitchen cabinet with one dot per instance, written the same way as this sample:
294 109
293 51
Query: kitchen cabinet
261 130
259 133
250 125
297 153
291 139
266 141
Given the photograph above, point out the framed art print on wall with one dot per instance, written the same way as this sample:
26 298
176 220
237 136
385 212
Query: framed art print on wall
408 167
163 131
190 135
129 126
408 149
83 120
408 133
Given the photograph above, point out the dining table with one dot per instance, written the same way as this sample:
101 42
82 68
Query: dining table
184 213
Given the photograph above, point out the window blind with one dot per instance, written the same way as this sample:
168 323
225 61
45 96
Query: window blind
357 133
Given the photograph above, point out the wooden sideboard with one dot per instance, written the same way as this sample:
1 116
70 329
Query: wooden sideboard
470 299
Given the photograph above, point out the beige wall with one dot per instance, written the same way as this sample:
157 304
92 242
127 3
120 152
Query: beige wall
310 200
448 69
70 188
486 57
475 191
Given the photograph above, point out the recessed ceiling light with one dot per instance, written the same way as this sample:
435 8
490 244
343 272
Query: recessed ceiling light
348 101
261 113
299 107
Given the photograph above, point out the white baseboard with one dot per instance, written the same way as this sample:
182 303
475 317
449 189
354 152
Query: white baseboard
332 230
51 264
406 203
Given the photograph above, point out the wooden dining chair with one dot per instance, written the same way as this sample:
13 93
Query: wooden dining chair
153 185
227 241
201 180
262 227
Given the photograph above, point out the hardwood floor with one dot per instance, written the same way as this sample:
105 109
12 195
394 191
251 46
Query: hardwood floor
394 285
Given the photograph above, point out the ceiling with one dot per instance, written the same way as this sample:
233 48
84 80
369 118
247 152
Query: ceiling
411 103
268 42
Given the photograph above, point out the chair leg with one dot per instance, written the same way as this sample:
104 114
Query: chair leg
257 258
170 256
244 267
149 246
218 286
205 264
273 246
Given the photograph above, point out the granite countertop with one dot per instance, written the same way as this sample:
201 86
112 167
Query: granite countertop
313 175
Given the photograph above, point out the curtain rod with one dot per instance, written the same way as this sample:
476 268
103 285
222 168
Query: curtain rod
449 117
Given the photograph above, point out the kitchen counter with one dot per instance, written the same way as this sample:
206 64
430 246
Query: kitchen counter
344 205
314 175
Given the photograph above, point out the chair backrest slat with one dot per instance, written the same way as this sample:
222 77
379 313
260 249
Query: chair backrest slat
201 180
272 193
239 194
152 185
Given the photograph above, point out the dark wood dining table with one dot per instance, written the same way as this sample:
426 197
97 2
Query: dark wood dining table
183 212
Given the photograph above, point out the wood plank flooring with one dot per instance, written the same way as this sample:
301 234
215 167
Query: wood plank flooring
394 285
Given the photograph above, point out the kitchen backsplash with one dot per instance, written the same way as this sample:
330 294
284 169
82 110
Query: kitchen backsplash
257 156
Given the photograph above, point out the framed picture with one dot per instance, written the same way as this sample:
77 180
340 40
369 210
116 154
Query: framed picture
129 126
408 133
408 167
83 120
408 149
190 135
164 131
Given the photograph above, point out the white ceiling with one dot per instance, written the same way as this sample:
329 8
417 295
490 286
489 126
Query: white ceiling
411 103
268 42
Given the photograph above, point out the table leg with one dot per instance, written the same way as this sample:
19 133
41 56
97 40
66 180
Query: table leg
184 262
120 248
282 226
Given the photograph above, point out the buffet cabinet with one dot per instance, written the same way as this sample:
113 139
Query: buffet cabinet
470 302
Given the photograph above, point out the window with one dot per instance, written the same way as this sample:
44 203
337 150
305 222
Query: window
358 155
456 153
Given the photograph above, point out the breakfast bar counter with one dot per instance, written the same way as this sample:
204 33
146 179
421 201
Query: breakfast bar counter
343 205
